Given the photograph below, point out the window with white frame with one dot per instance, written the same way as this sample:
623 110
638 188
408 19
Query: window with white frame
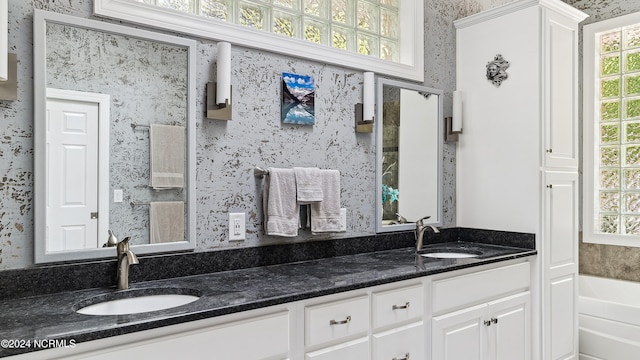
384 36
612 131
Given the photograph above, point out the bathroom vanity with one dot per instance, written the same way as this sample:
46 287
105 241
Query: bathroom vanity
372 305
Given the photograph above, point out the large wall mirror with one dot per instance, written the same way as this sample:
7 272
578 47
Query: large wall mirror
109 99
409 151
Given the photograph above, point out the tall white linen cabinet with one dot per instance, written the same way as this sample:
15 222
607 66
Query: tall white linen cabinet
517 158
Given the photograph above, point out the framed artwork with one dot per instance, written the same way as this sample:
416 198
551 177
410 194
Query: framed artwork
298 95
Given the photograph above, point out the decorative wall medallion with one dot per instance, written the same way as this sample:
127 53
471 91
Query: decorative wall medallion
298 97
497 70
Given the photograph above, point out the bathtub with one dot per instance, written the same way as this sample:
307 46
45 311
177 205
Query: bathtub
609 319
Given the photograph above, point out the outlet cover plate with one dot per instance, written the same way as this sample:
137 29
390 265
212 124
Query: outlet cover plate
237 227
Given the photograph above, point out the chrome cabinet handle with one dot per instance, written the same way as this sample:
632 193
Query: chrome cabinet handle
492 321
340 322
400 307
406 357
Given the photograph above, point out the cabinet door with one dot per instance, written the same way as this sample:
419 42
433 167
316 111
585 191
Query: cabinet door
460 335
560 324
510 330
560 76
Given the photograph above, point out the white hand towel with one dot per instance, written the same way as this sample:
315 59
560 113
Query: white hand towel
308 185
166 221
167 156
325 215
281 210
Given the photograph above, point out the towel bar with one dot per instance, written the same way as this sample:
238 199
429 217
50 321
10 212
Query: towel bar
260 172
146 127
133 203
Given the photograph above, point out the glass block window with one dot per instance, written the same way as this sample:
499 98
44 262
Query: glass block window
367 27
617 139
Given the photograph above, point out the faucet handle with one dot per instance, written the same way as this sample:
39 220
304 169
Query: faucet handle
123 245
419 222
112 240
401 219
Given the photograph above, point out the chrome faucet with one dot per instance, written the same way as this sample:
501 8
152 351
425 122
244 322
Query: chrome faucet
126 257
421 227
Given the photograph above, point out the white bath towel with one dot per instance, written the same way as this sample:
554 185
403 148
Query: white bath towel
167 156
281 210
166 221
308 185
325 215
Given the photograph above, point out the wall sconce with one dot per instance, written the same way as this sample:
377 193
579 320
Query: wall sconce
454 123
8 62
219 92
365 111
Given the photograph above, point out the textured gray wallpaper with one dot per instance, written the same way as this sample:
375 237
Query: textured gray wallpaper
228 151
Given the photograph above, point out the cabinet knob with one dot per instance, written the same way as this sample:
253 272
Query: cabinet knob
487 323
494 320
406 357
549 151
550 186
340 322
400 307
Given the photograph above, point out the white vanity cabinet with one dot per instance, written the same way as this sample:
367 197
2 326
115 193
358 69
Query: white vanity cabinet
517 159
259 334
484 315
398 324
475 313
382 323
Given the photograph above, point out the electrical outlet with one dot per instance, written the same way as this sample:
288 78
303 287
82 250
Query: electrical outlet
117 195
237 226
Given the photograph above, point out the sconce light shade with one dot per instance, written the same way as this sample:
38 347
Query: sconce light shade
219 93
457 112
365 111
454 123
223 88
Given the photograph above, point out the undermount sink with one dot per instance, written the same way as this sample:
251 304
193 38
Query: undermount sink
449 255
137 301
450 252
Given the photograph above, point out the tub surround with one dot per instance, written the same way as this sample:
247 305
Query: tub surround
253 280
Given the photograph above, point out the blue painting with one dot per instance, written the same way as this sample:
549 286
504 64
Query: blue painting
298 95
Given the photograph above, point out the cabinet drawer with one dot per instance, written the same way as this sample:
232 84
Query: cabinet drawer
335 320
406 342
472 288
394 306
352 350
268 335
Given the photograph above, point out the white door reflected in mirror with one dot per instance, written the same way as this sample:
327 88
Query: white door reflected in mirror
77 122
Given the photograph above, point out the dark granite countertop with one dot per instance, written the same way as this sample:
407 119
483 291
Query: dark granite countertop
53 316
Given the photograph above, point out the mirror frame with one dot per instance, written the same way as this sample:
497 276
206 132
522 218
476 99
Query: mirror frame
40 20
381 82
